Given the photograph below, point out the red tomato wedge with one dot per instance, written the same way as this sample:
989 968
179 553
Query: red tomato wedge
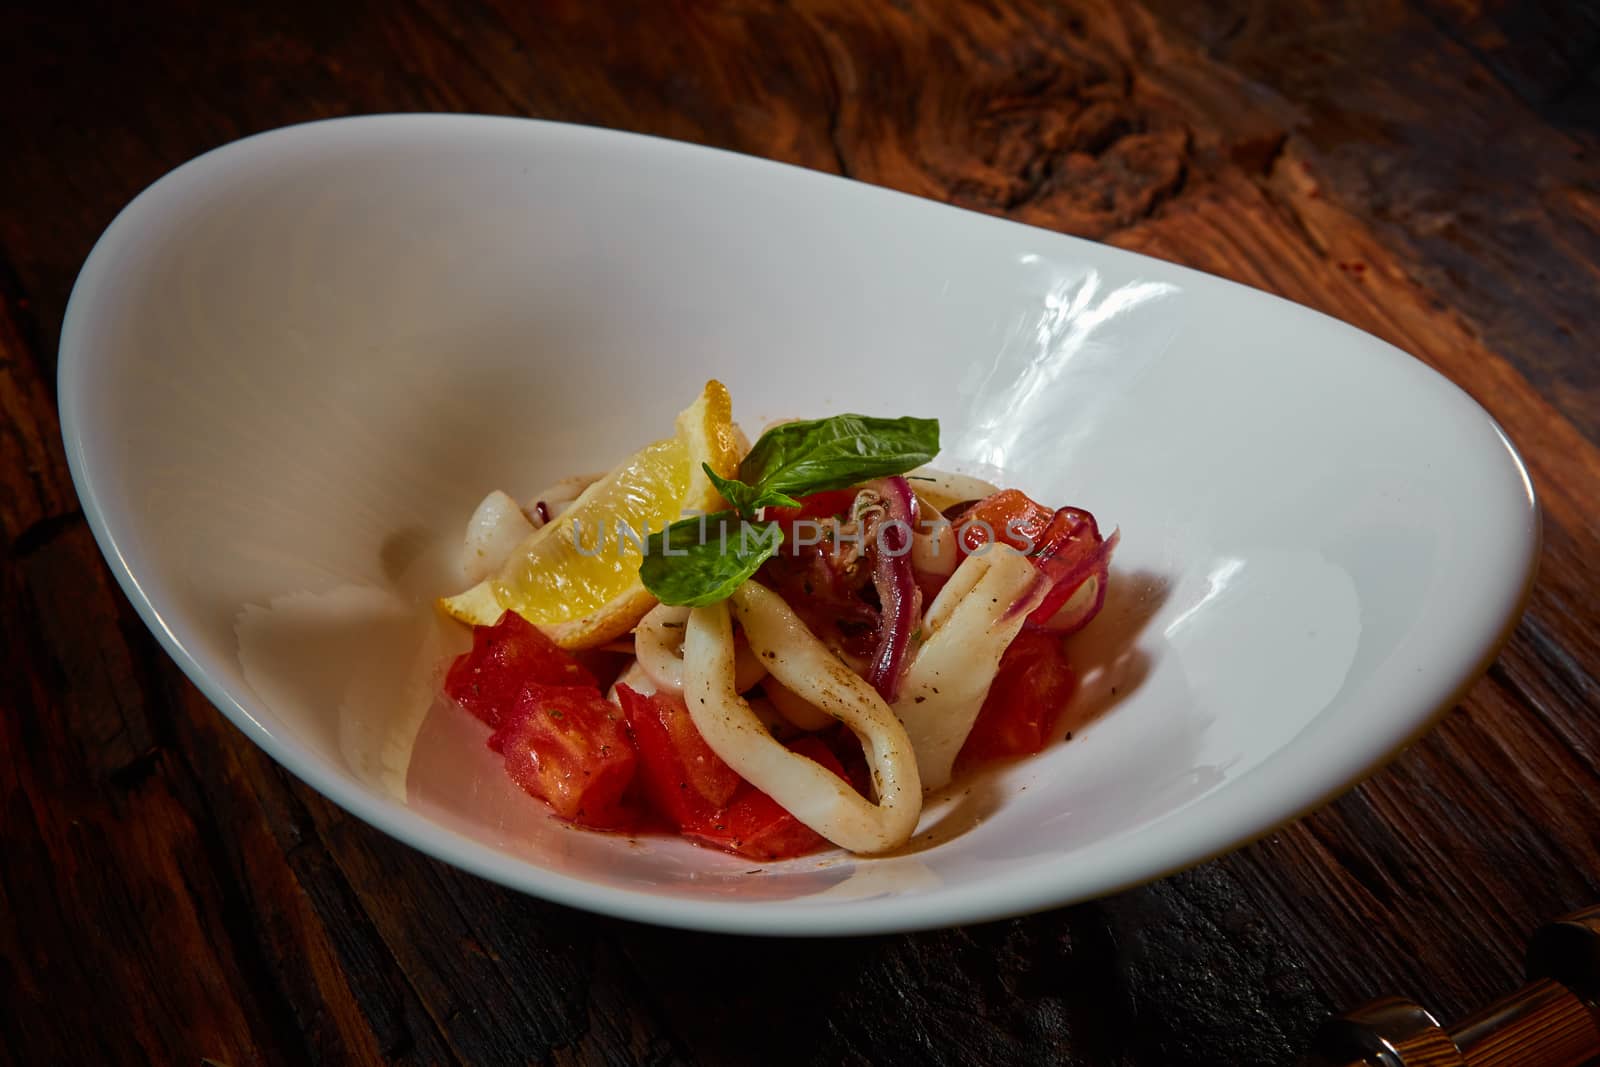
1065 544
505 657
1034 683
569 747
702 796
825 505
756 826
681 777
1008 516
1071 553
593 763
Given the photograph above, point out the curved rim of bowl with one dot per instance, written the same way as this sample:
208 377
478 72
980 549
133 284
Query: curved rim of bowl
1230 819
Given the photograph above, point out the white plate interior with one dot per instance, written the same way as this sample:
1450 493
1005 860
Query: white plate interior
291 368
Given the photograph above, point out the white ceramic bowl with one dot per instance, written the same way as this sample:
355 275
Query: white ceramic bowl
291 367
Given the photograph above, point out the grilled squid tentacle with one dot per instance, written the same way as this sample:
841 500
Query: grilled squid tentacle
793 707
794 656
658 644
964 634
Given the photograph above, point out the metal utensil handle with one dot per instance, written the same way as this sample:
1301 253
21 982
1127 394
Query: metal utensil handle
1553 1021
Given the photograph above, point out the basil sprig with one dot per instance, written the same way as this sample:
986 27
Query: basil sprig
703 559
813 457
747 499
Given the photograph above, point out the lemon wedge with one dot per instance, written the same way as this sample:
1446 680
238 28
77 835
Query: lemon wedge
577 577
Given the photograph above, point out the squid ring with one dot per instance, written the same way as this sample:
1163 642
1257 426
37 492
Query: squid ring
793 655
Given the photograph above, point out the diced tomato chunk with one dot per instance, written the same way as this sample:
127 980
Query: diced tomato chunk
756 826
823 505
569 747
1071 551
701 796
1008 516
1065 543
681 777
1034 683
505 657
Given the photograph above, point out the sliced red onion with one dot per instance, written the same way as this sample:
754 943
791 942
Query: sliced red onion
1066 552
1075 614
898 595
1031 599
1073 602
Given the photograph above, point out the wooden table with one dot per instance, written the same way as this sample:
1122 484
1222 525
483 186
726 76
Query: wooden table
1427 170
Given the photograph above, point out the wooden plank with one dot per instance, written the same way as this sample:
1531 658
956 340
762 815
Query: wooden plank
1466 147
34 484
132 899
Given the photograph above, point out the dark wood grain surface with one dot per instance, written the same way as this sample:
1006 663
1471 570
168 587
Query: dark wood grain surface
1428 170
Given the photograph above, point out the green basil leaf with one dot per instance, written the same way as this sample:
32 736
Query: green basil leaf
771 498
743 497
747 498
812 457
702 560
